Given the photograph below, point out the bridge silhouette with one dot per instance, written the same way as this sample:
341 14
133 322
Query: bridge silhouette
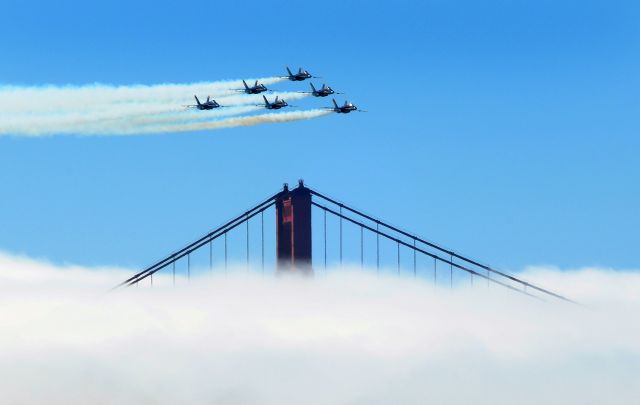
294 245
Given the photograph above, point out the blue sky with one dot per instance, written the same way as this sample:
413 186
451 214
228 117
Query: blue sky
507 130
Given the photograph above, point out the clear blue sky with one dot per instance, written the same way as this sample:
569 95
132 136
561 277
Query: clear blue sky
508 130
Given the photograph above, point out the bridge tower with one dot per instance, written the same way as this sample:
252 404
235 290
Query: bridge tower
293 229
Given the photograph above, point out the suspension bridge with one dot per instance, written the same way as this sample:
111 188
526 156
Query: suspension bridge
299 233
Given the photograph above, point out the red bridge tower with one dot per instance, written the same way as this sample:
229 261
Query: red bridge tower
293 229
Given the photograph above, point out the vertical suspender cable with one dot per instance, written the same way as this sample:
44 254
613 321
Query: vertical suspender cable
262 237
189 266
211 256
414 259
174 273
151 277
325 240
435 271
377 248
398 257
340 235
451 269
247 220
225 253
361 247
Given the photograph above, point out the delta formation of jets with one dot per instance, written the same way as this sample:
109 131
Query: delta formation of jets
277 104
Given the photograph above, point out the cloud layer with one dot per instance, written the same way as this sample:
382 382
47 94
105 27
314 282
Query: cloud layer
345 338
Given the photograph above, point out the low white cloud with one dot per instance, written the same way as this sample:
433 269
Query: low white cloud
344 338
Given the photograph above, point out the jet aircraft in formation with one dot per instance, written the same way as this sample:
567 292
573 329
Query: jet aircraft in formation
346 108
207 105
277 104
323 92
298 77
255 89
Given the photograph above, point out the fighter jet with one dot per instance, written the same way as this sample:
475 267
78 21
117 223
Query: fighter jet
323 92
346 108
207 105
276 105
298 77
255 89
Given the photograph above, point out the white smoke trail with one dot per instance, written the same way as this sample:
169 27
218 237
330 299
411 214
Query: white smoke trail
16 120
258 98
104 110
176 121
122 120
236 122
347 338
16 99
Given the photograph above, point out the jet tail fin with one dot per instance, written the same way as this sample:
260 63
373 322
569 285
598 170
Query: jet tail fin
312 87
334 103
265 100
197 101
289 71
245 85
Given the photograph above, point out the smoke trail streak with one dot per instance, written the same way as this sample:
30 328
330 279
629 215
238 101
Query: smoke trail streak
257 98
100 109
15 99
238 121
120 110
162 123
113 120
